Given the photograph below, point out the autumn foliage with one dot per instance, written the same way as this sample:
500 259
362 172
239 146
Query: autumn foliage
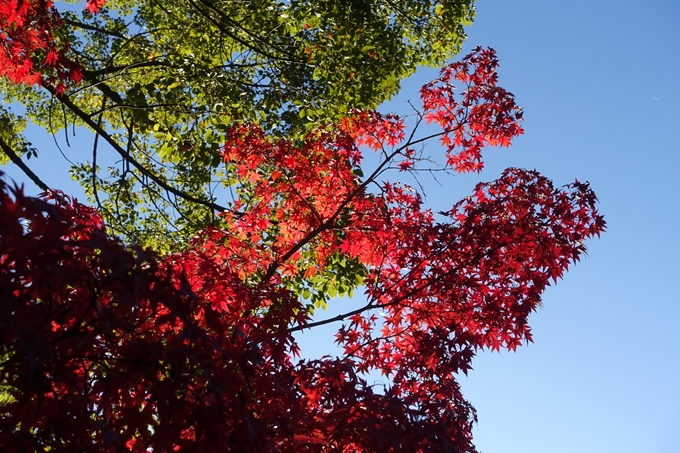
30 53
110 347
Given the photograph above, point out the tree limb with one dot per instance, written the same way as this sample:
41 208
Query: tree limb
16 160
78 24
126 155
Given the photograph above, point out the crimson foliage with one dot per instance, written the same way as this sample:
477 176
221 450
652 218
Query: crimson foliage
109 348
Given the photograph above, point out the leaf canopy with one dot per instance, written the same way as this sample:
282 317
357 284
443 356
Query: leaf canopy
108 346
166 80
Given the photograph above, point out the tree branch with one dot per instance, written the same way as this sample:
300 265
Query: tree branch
111 69
429 282
78 24
126 155
16 160
233 36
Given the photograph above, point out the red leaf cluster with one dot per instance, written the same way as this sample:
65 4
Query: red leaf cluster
29 52
486 114
93 6
108 347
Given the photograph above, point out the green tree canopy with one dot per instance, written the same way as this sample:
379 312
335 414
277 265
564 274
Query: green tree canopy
162 83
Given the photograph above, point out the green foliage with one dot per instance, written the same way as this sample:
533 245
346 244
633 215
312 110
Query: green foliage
11 127
6 396
165 81
341 276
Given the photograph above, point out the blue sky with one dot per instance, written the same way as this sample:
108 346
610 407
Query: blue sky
598 81
599 84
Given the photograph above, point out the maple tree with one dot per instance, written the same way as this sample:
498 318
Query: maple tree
108 346
160 84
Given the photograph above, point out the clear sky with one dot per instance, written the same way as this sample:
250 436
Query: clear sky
599 82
